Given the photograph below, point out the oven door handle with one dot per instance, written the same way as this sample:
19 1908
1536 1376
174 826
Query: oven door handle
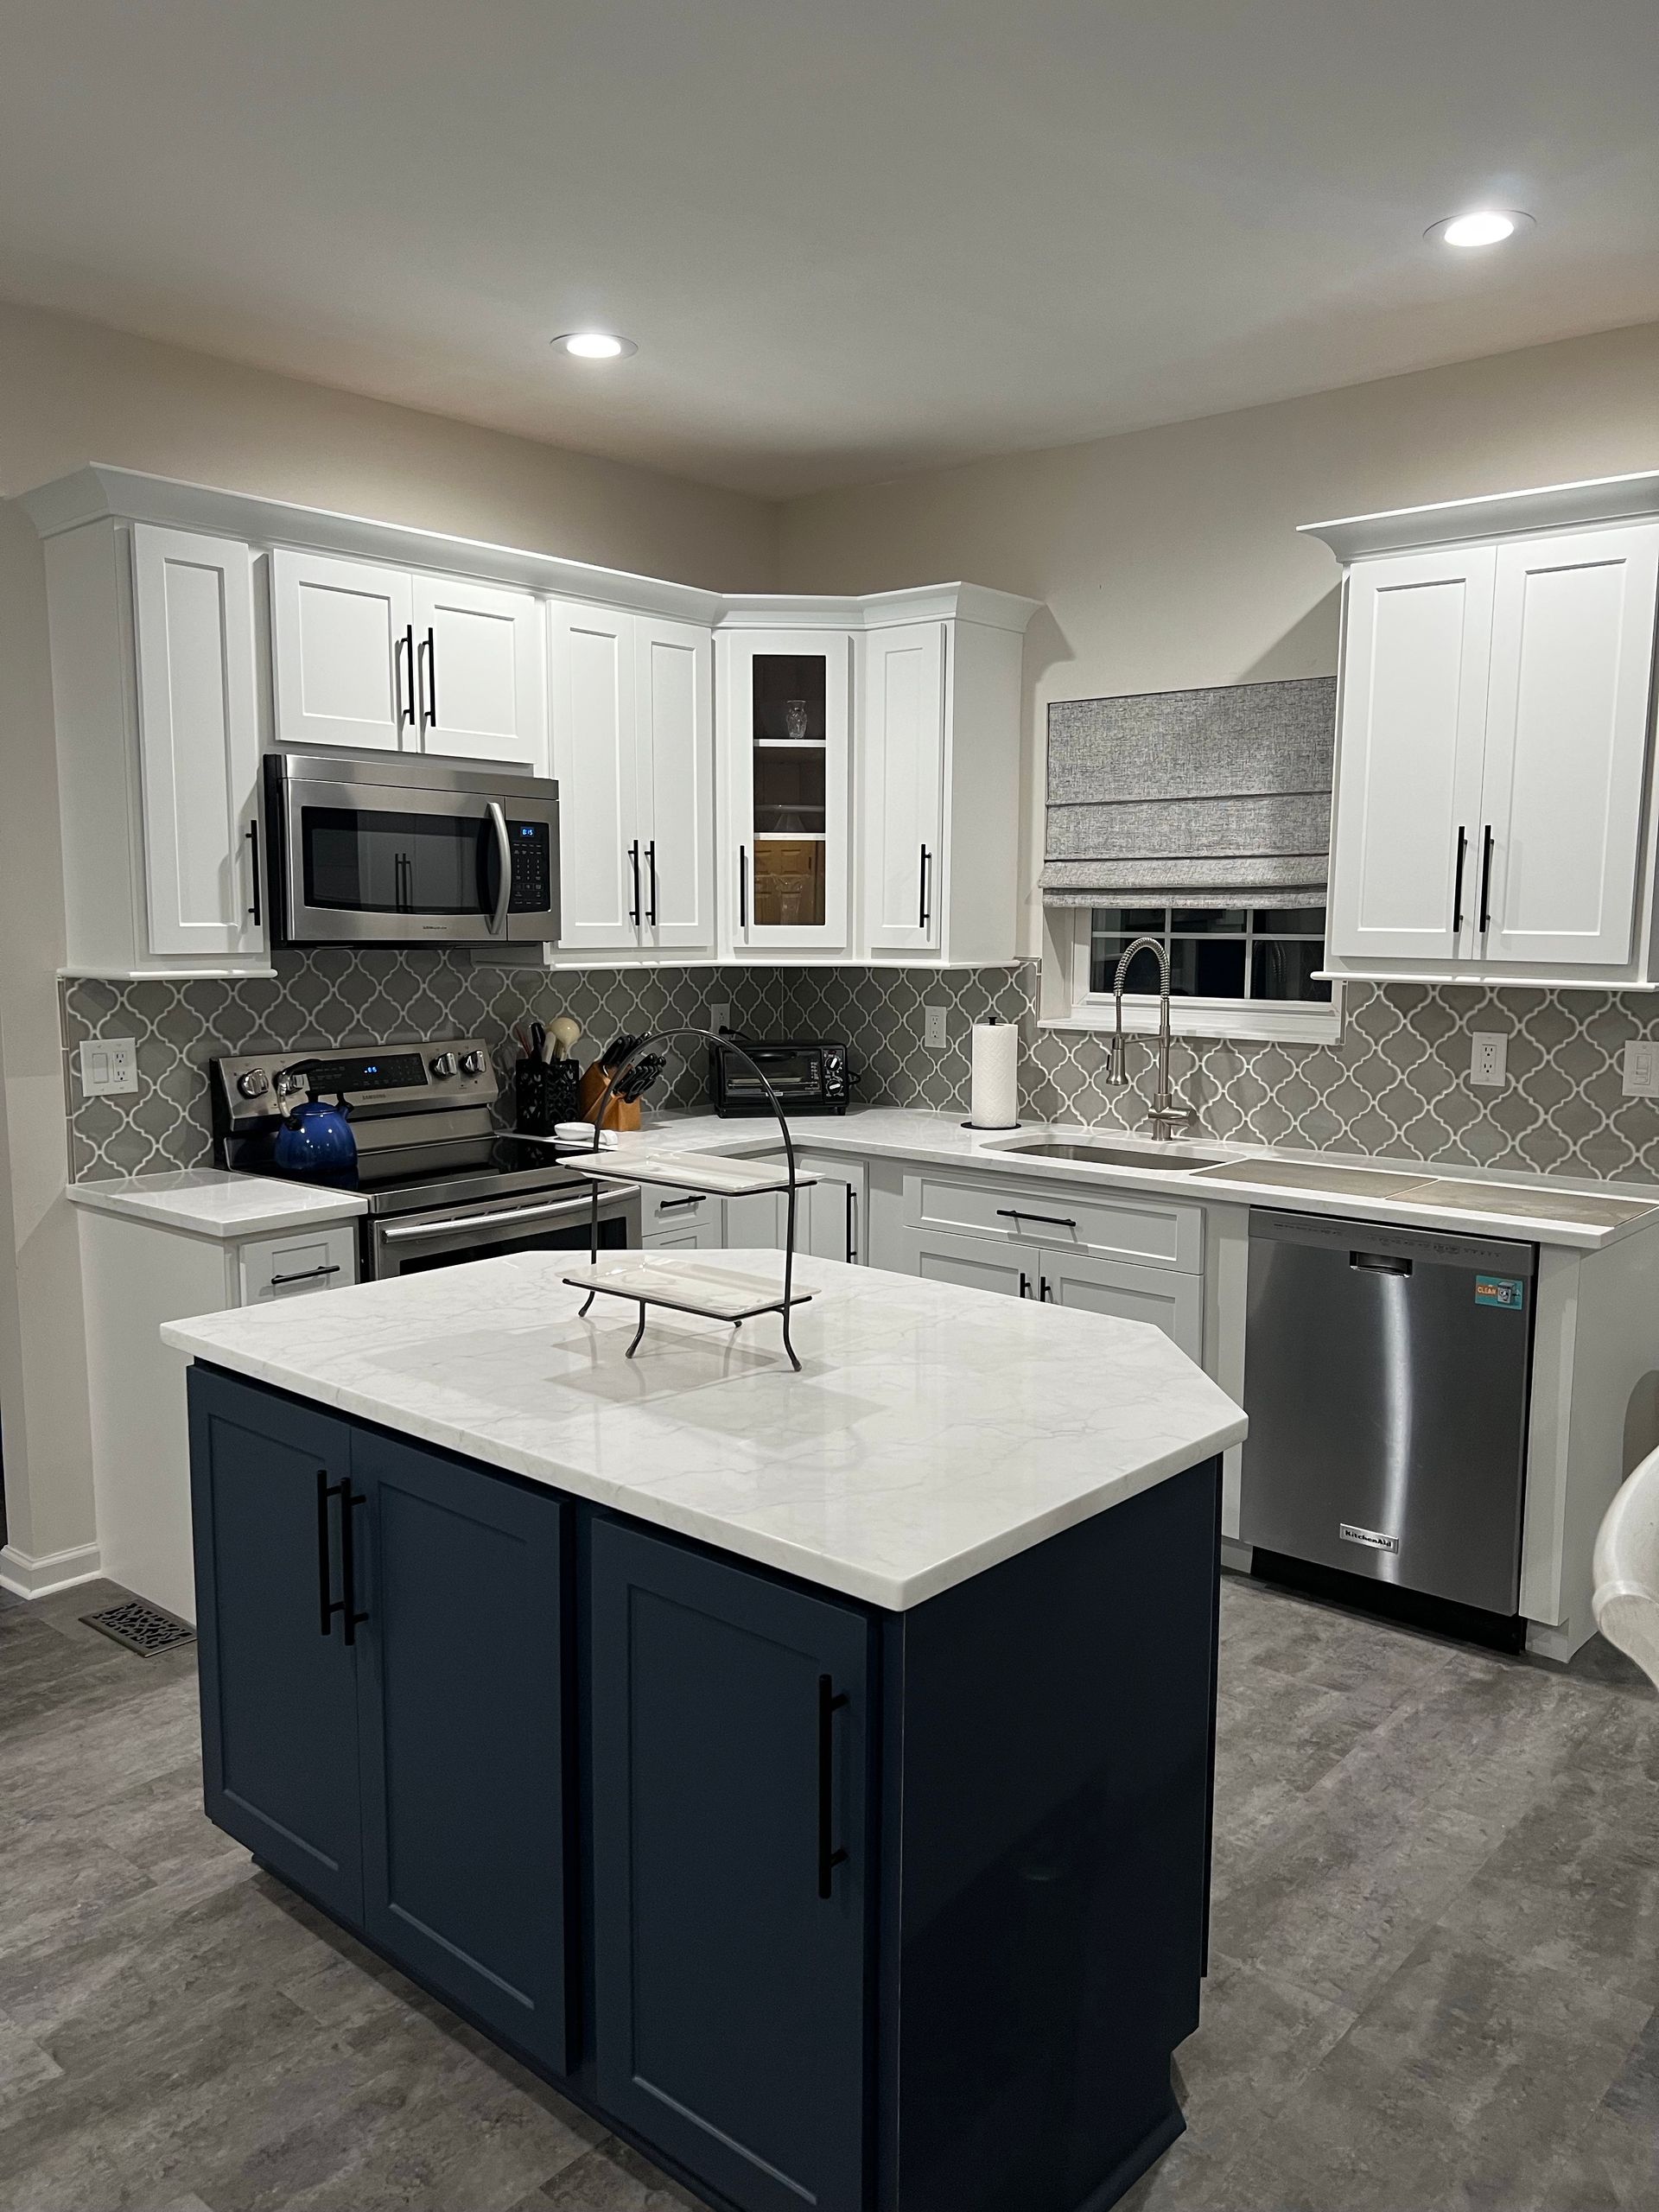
409 1232
504 854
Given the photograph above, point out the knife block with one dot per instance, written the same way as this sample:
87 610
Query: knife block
619 1115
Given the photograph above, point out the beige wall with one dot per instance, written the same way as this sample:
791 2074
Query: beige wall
1170 557
71 393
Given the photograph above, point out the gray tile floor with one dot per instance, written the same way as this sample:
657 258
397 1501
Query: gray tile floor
1435 1979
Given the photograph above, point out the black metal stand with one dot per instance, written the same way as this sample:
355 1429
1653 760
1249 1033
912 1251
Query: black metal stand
791 1189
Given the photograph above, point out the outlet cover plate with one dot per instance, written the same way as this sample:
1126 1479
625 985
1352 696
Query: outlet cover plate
108 1065
1488 1058
933 1031
1642 1068
720 1014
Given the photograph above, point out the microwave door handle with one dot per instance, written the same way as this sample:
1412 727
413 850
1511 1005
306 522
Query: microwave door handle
504 855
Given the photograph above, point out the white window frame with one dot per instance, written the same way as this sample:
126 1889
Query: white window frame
1069 1004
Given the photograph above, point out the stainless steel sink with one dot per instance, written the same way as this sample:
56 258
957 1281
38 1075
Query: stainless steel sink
1089 1154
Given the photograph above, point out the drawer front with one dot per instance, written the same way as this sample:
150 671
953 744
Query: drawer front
666 1213
294 1265
1152 1232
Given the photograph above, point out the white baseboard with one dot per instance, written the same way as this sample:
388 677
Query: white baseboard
38 1578
1235 1555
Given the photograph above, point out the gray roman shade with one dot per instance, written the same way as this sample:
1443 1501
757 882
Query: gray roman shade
1200 798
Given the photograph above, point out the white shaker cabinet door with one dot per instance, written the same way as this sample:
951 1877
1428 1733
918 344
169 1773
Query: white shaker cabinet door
595 759
342 652
675 703
1169 1301
902 783
199 740
480 675
1567 743
1405 862
975 1262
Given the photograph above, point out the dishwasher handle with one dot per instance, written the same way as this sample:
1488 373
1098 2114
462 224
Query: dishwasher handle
1380 1263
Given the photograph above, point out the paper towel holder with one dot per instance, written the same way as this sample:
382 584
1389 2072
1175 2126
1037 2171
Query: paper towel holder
995 1020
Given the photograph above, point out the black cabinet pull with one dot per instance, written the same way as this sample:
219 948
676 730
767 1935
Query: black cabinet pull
742 887
923 917
634 864
831 1702
327 1604
852 1225
651 870
673 1205
1457 884
402 676
1025 1284
1046 1292
306 1274
428 674
1054 1220
253 862
1487 879
348 1505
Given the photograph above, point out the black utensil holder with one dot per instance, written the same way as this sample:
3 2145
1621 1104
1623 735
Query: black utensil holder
545 1093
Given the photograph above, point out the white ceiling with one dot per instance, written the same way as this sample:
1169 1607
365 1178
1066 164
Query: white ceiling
851 237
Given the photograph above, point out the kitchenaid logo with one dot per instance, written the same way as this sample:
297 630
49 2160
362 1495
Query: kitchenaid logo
1373 1539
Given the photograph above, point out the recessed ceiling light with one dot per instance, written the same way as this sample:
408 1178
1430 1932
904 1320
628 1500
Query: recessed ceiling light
1480 227
596 344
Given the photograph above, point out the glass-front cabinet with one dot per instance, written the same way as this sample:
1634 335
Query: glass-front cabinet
785 744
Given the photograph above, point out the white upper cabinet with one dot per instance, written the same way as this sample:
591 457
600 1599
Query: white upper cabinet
480 674
634 752
199 742
379 659
1566 741
786 759
342 652
1417 648
1494 805
903 779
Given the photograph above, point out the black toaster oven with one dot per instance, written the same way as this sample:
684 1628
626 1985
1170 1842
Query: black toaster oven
808 1076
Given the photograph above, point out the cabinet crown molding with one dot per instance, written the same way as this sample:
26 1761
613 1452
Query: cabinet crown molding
1502 514
101 493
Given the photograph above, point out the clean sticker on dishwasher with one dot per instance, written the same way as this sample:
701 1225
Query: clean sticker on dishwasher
1508 1292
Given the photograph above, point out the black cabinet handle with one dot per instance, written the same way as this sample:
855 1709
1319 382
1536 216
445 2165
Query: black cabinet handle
673 1205
429 672
651 870
831 1702
348 1505
852 1225
633 864
327 1604
306 1274
1457 885
1046 1291
403 658
253 863
1054 1220
742 887
1025 1284
923 917
1487 879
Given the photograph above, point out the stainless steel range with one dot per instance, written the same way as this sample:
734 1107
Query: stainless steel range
443 1184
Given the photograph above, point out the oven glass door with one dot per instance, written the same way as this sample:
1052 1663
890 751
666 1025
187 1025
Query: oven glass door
795 1072
407 1247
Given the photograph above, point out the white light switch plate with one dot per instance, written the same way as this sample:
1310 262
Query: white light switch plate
108 1065
1488 1062
933 1034
1642 1068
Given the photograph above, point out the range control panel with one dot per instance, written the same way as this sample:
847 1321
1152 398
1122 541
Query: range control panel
440 1072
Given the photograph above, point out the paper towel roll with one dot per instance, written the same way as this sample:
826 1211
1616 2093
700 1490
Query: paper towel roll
994 1101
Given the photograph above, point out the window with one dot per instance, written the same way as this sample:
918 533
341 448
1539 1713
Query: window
1234 971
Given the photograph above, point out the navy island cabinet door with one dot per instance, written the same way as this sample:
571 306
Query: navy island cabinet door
730 1730
463 1735
270 1496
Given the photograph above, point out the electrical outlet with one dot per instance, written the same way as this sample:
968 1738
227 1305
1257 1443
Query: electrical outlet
1487 1063
108 1065
720 1014
933 1034
1642 1068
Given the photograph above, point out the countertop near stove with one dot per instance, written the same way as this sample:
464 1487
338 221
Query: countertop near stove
934 1432
218 1202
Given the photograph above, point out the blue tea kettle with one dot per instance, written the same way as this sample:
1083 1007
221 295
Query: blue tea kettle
315 1139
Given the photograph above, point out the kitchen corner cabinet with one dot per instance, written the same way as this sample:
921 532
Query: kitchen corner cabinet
377 659
155 698
1493 814
813 1902
786 762
632 708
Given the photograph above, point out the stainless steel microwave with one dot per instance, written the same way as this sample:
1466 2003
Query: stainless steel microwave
391 849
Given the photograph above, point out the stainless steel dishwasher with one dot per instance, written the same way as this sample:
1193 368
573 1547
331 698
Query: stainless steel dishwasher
1386 1377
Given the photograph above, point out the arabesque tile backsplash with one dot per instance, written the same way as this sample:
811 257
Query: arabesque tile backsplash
1396 1083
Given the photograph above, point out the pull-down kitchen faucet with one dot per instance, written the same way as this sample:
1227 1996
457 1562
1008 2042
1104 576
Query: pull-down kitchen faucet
1164 1113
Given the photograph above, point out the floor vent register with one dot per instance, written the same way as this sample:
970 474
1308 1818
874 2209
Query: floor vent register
139 1627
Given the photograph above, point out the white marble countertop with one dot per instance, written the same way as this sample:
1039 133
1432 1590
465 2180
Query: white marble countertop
933 1431
218 1202
1540 1209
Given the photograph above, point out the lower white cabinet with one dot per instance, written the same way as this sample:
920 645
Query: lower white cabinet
674 1221
1158 1296
270 1268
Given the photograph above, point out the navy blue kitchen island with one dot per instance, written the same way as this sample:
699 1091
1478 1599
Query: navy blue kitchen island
817 1899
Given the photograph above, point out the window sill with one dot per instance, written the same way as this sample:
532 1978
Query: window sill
1246 1022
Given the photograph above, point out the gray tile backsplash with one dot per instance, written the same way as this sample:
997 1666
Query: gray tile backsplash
1396 1083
